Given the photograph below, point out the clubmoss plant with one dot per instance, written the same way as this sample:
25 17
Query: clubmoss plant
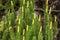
26 26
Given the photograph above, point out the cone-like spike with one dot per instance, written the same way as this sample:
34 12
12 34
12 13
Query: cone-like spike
12 3
27 28
51 25
32 21
50 10
55 18
27 3
41 29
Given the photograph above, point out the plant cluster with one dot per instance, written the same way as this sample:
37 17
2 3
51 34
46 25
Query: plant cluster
26 25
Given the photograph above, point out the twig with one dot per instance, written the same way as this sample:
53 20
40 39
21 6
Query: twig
58 29
53 3
40 9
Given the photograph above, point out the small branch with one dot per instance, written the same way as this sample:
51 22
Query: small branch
58 29
40 9
53 3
